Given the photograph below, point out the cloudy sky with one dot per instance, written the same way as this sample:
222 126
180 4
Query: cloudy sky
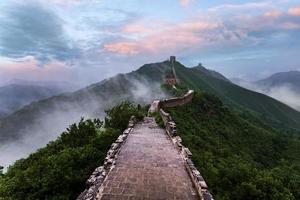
87 40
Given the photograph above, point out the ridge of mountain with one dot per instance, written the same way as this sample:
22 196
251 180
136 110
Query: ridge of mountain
15 96
46 118
212 73
290 78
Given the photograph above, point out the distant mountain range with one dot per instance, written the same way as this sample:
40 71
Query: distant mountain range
42 121
283 86
291 79
19 93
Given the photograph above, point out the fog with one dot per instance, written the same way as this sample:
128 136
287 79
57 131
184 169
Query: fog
45 128
285 93
52 120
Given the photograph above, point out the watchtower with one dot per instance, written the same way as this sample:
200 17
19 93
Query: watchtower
171 78
172 59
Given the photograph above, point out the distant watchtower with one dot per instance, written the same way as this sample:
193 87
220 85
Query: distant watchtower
172 59
171 79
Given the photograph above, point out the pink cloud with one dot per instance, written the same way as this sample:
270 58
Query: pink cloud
68 2
139 27
294 11
163 38
125 48
241 7
185 2
201 32
273 14
29 69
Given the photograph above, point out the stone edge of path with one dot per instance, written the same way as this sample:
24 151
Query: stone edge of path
170 127
100 173
197 179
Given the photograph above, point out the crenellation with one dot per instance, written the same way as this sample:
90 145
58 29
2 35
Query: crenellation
187 152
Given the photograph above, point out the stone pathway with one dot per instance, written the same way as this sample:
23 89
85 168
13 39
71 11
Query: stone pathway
154 106
148 167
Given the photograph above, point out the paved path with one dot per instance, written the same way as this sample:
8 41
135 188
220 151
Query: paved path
148 167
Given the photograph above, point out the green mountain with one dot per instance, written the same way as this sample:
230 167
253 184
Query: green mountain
264 107
230 130
238 158
142 86
270 110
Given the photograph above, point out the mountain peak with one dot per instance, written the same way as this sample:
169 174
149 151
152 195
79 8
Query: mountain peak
209 72
280 78
286 74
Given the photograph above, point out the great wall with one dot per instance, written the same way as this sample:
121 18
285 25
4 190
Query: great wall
148 162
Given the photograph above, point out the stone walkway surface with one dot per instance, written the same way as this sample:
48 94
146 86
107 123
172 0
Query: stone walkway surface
148 167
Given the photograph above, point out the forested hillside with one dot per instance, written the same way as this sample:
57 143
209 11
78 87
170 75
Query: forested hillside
59 170
240 159
265 108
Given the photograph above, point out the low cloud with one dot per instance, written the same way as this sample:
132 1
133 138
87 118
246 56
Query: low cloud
285 93
47 120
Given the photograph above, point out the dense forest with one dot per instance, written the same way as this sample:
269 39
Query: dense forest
239 156
59 170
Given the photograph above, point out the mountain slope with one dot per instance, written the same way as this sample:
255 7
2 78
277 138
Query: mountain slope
238 159
142 85
36 124
212 73
41 121
266 108
270 110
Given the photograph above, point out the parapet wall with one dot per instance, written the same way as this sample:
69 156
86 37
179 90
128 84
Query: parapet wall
170 127
177 101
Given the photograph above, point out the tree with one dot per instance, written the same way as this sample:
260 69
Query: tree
118 116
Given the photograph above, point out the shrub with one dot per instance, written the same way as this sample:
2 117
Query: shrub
118 116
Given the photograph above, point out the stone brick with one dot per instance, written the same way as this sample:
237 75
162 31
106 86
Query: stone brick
148 166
